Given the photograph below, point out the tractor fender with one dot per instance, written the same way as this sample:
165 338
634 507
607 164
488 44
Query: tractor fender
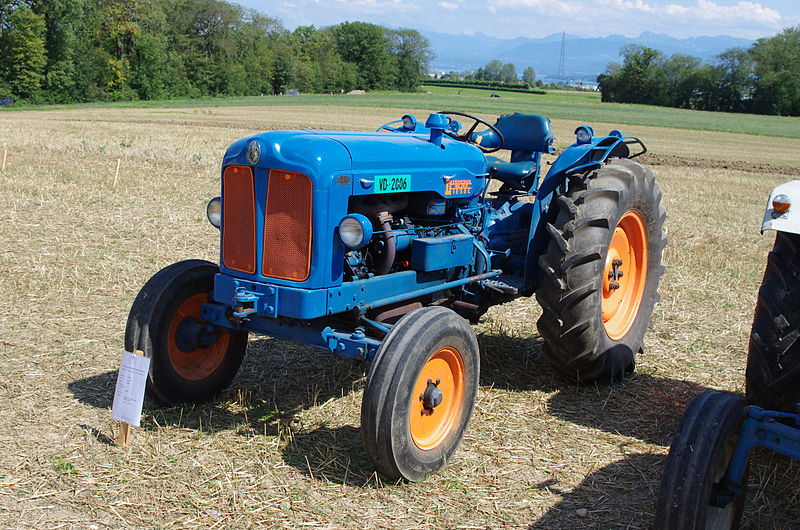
582 156
575 158
789 220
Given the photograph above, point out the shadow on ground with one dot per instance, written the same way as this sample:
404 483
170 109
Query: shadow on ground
624 495
643 406
279 379
276 381
619 495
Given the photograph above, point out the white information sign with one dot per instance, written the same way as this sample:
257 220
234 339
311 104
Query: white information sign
129 394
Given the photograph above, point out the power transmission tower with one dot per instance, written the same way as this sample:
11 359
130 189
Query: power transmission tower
562 74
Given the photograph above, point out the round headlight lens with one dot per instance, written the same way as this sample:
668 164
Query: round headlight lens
582 135
409 122
254 152
214 212
355 230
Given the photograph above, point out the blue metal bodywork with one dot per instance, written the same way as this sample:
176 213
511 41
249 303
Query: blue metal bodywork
761 428
454 238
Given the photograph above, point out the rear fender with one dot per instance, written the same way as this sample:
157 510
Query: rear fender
577 158
788 221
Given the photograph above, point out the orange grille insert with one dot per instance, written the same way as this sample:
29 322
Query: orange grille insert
287 226
238 219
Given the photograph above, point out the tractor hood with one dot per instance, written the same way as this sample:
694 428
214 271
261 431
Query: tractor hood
373 161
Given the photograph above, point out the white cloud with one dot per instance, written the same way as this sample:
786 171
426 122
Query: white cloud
448 5
702 9
680 18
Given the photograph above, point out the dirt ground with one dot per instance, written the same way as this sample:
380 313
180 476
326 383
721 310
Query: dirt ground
282 447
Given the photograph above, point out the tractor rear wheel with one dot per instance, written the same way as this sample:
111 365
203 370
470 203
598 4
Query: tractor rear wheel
420 393
190 360
698 460
598 279
773 359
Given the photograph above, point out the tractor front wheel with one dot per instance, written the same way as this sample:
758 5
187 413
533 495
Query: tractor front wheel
598 279
773 359
190 360
698 460
420 393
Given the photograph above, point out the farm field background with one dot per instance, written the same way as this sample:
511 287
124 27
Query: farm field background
282 447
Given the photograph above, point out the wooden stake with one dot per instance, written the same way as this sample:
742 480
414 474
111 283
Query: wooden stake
116 173
185 141
124 428
5 153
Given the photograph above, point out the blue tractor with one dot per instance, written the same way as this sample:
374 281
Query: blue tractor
377 246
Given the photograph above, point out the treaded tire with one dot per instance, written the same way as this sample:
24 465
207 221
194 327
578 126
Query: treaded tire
574 268
773 359
160 307
698 458
401 440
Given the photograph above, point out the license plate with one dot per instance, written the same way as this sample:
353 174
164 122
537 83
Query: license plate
392 183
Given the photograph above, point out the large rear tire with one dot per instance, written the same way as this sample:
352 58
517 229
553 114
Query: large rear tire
599 277
190 361
773 359
420 393
698 459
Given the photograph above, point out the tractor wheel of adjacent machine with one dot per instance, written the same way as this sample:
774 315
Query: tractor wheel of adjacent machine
773 360
698 458
420 392
190 360
598 279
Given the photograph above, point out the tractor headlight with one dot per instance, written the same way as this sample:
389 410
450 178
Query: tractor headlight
355 230
214 212
583 134
409 122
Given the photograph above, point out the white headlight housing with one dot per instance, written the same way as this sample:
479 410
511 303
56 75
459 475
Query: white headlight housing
214 212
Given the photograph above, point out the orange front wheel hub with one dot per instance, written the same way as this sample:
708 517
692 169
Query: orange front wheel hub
624 275
437 398
204 357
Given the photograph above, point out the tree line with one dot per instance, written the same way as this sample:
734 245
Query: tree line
63 51
762 79
495 71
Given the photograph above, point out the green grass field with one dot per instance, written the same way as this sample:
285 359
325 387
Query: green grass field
556 105
282 447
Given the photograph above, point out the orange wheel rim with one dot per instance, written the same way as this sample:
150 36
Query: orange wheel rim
201 362
444 371
624 275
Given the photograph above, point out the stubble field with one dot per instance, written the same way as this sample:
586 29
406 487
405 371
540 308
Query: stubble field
282 447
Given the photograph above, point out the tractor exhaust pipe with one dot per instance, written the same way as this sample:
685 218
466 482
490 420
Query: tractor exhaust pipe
384 264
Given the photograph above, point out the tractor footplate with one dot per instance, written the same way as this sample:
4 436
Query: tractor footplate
500 287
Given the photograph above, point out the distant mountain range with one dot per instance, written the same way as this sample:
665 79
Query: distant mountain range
584 58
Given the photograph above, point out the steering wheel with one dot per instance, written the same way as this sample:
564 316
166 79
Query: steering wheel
467 136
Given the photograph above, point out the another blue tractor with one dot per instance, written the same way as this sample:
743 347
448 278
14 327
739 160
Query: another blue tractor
375 245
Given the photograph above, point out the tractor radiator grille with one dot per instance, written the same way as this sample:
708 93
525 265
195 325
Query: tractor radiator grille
287 226
238 219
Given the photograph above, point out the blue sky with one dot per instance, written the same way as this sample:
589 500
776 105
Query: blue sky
537 18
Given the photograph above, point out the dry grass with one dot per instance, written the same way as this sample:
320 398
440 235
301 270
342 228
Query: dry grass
282 448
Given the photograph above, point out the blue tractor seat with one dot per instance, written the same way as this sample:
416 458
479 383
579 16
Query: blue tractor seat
527 136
